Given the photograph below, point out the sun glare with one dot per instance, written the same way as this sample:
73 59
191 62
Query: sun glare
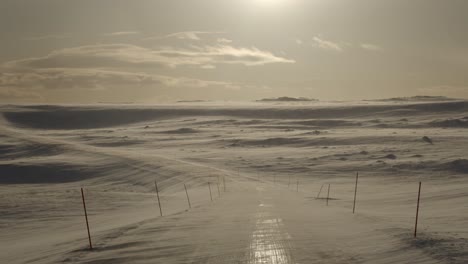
270 2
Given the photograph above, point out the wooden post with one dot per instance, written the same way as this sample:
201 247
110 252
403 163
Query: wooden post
209 187
297 185
417 211
328 194
219 193
355 191
224 183
188 198
318 195
157 194
86 217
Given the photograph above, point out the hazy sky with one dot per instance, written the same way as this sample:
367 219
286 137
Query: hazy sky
86 51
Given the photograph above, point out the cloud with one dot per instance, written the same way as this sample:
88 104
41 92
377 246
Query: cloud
95 85
22 82
192 35
48 37
99 69
327 44
12 94
126 55
224 40
121 33
372 47
208 66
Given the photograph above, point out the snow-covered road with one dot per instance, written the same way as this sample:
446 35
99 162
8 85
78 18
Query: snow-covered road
257 222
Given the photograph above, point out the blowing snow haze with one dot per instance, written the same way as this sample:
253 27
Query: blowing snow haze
165 51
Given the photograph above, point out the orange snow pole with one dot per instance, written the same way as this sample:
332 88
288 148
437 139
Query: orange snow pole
318 195
355 191
417 211
86 217
157 194
188 199
209 187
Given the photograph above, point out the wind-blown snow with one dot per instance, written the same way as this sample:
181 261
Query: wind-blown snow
274 158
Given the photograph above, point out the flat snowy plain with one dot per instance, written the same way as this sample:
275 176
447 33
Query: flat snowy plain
269 161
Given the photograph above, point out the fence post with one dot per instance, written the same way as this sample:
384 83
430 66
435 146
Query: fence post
219 193
157 194
328 194
224 183
355 191
417 211
318 195
209 187
188 199
86 217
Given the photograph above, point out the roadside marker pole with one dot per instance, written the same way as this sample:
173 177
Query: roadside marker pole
417 211
209 187
328 194
318 195
157 194
188 199
355 191
86 217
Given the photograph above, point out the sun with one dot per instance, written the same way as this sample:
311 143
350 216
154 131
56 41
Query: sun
270 2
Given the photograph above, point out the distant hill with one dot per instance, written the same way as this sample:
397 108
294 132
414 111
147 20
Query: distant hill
417 98
192 101
287 99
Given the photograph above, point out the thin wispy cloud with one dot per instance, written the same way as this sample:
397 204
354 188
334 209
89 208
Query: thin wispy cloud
369 46
29 84
122 33
224 40
126 55
192 35
48 37
18 94
327 44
